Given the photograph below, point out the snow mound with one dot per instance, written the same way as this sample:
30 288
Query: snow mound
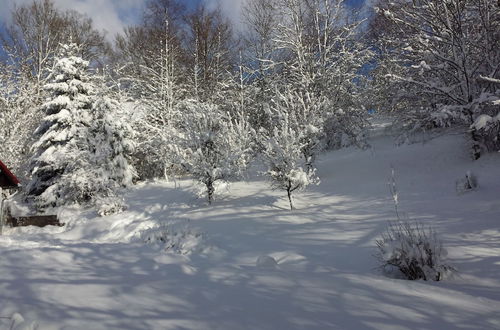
266 262
18 322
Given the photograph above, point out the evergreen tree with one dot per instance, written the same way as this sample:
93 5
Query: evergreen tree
81 154
111 139
109 167
61 147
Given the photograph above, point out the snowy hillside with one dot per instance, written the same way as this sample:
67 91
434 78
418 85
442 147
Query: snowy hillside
248 262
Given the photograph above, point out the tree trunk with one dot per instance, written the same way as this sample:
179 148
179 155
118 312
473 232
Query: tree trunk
476 148
210 191
290 198
309 165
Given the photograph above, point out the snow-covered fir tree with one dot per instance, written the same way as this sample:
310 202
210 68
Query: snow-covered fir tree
111 138
80 153
111 142
61 148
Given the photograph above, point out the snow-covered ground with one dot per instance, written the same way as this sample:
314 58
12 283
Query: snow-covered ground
247 262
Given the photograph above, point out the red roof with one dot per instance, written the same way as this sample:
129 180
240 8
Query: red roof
7 179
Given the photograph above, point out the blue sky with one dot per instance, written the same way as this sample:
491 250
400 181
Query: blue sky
114 15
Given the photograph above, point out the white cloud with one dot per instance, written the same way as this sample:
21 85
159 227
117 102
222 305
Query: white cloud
7 6
108 15
113 15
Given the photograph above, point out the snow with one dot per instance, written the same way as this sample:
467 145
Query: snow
481 122
266 262
99 273
17 322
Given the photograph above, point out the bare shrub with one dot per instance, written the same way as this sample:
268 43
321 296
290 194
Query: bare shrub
414 250
410 248
175 237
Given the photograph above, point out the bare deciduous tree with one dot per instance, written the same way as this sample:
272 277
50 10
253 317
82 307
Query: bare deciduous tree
38 28
211 45
443 56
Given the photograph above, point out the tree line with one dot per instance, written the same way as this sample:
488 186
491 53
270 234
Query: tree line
189 94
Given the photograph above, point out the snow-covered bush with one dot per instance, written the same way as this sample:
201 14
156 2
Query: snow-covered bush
469 182
344 128
266 262
410 248
283 154
211 145
18 322
175 237
414 250
109 205
488 131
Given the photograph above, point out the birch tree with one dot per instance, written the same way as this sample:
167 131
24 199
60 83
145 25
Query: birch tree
35 33
260 18
162 89
19 116
211 53
321 63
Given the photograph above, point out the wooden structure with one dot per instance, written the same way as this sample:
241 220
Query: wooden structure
9 181
32 220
